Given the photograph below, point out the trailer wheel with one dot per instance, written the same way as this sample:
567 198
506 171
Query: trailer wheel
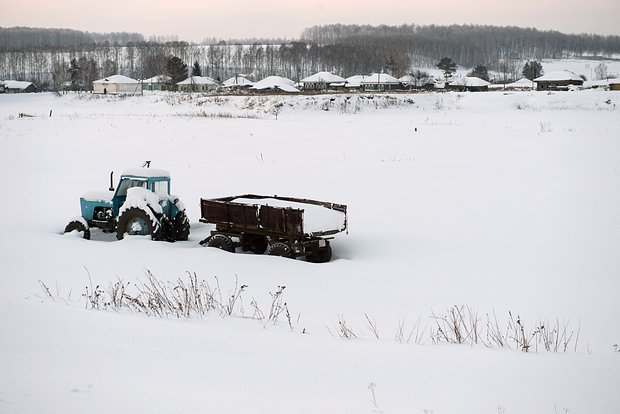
79 226
321 255
135 222
254 243
221 241
282 250
181 227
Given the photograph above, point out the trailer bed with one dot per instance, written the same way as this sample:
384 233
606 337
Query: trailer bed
274 216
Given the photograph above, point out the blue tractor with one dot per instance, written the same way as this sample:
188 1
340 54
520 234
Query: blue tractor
141 204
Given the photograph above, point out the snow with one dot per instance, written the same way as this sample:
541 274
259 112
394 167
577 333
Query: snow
13 84
379 78
237 81
157 79
523 83
323 77
198 80
355 81
116 79
276 82
560 75
105 196
498 201
471 81
141 198
145 172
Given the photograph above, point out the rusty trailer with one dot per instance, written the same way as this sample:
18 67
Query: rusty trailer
283 226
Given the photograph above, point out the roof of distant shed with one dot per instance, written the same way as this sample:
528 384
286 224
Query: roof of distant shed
380 79
116 79
559 75
12 84
198 80
276 82
354 81
471 81
323 77
157 79
237 81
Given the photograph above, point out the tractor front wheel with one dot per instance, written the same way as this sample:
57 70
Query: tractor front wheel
135 222
78 226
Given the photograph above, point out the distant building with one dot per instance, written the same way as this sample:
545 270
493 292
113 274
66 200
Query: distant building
237 82
11 86
322 81
557 81
614 84
380 82
521 84
116 84
156 83
470 84
275 83
197 84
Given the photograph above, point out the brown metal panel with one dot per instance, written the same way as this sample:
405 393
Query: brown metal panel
213 211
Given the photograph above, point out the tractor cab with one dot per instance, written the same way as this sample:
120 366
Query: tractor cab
154 180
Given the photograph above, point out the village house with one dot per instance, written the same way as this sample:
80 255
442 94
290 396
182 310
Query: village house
558 81
116 84
380 82
197 84
275 83
322 81
156 83
237 82
11 86
470 84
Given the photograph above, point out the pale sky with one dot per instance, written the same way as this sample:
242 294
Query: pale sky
194 20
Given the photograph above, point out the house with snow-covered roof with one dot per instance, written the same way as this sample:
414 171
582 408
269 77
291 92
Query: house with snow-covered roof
275 83
237 82
521 84
470 84
156 83
355 81
116 84
557 81
380 82
197 84
12 86
322 81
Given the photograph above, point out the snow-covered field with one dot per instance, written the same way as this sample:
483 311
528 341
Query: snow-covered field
495 202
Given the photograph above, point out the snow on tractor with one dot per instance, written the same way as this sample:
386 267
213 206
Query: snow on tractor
140 205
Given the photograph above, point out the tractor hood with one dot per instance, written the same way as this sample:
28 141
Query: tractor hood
99 196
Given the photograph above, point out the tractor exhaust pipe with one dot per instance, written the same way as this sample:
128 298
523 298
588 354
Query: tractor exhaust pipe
111 181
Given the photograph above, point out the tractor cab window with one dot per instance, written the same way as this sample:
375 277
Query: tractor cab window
161 187
129 183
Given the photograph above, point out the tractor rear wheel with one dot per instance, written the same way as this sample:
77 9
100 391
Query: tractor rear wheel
135 222
181 227
78 226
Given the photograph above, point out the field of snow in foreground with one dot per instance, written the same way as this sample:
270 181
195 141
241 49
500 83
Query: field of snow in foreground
503 205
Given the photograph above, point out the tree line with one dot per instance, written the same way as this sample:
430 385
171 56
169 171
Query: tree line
51 58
